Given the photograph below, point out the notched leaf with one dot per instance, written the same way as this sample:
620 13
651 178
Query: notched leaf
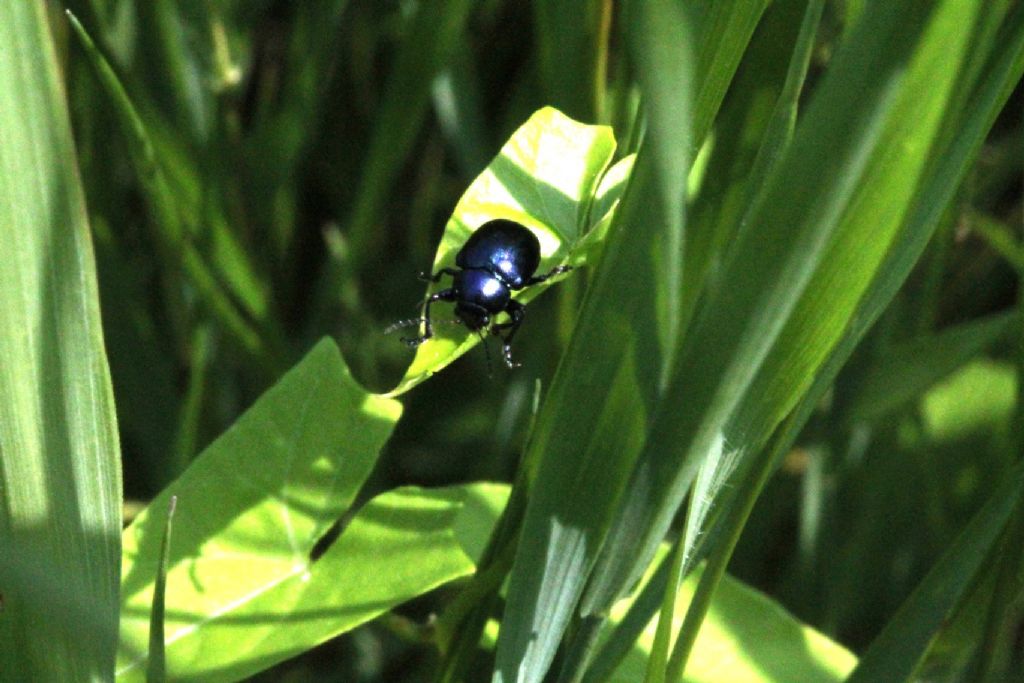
546 177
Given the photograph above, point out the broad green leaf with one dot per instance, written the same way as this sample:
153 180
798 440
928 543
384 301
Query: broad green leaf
60 478
906 370
250 509
398 546
816 239
747 637
622 347
544 177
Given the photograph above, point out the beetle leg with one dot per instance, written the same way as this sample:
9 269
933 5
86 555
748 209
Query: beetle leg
516 311
428 330
558 270
436 277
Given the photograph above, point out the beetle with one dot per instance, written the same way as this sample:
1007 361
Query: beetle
500 257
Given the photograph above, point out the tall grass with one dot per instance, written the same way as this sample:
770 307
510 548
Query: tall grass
768 428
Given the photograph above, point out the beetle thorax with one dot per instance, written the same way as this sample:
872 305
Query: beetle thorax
479 290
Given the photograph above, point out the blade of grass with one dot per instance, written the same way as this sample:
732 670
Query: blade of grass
658 660
724 194
723 30
191 411
782 122
185 93
775 315
583 451
896 652
287 118
720 462
660 42
905 371
60 478
430 40
992 660
571 39
458 99
936 192
156 668
175 245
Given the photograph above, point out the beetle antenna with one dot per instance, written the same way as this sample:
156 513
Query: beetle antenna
403 323
411 322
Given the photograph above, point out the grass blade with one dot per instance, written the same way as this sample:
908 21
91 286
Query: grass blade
431 39
817 238
896 652
723 31
909 369
60 477
156 669
584 451
236 309
572 46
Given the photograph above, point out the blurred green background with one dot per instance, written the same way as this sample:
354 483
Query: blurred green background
314 151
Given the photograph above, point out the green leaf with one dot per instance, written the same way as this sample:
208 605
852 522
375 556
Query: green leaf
250 509
544 177
815 241
398 546
746 638
660 42
236 280
60 478
186 88
979 399
156 669
571 53
432 34
753 128
624 345
723 31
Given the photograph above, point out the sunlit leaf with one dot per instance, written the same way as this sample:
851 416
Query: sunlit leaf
60 477
544 177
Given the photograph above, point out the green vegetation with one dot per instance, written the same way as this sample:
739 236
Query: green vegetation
769 428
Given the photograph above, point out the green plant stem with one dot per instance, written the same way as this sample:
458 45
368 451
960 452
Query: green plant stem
656 663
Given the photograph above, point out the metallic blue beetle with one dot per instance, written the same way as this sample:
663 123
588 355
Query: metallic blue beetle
499 257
